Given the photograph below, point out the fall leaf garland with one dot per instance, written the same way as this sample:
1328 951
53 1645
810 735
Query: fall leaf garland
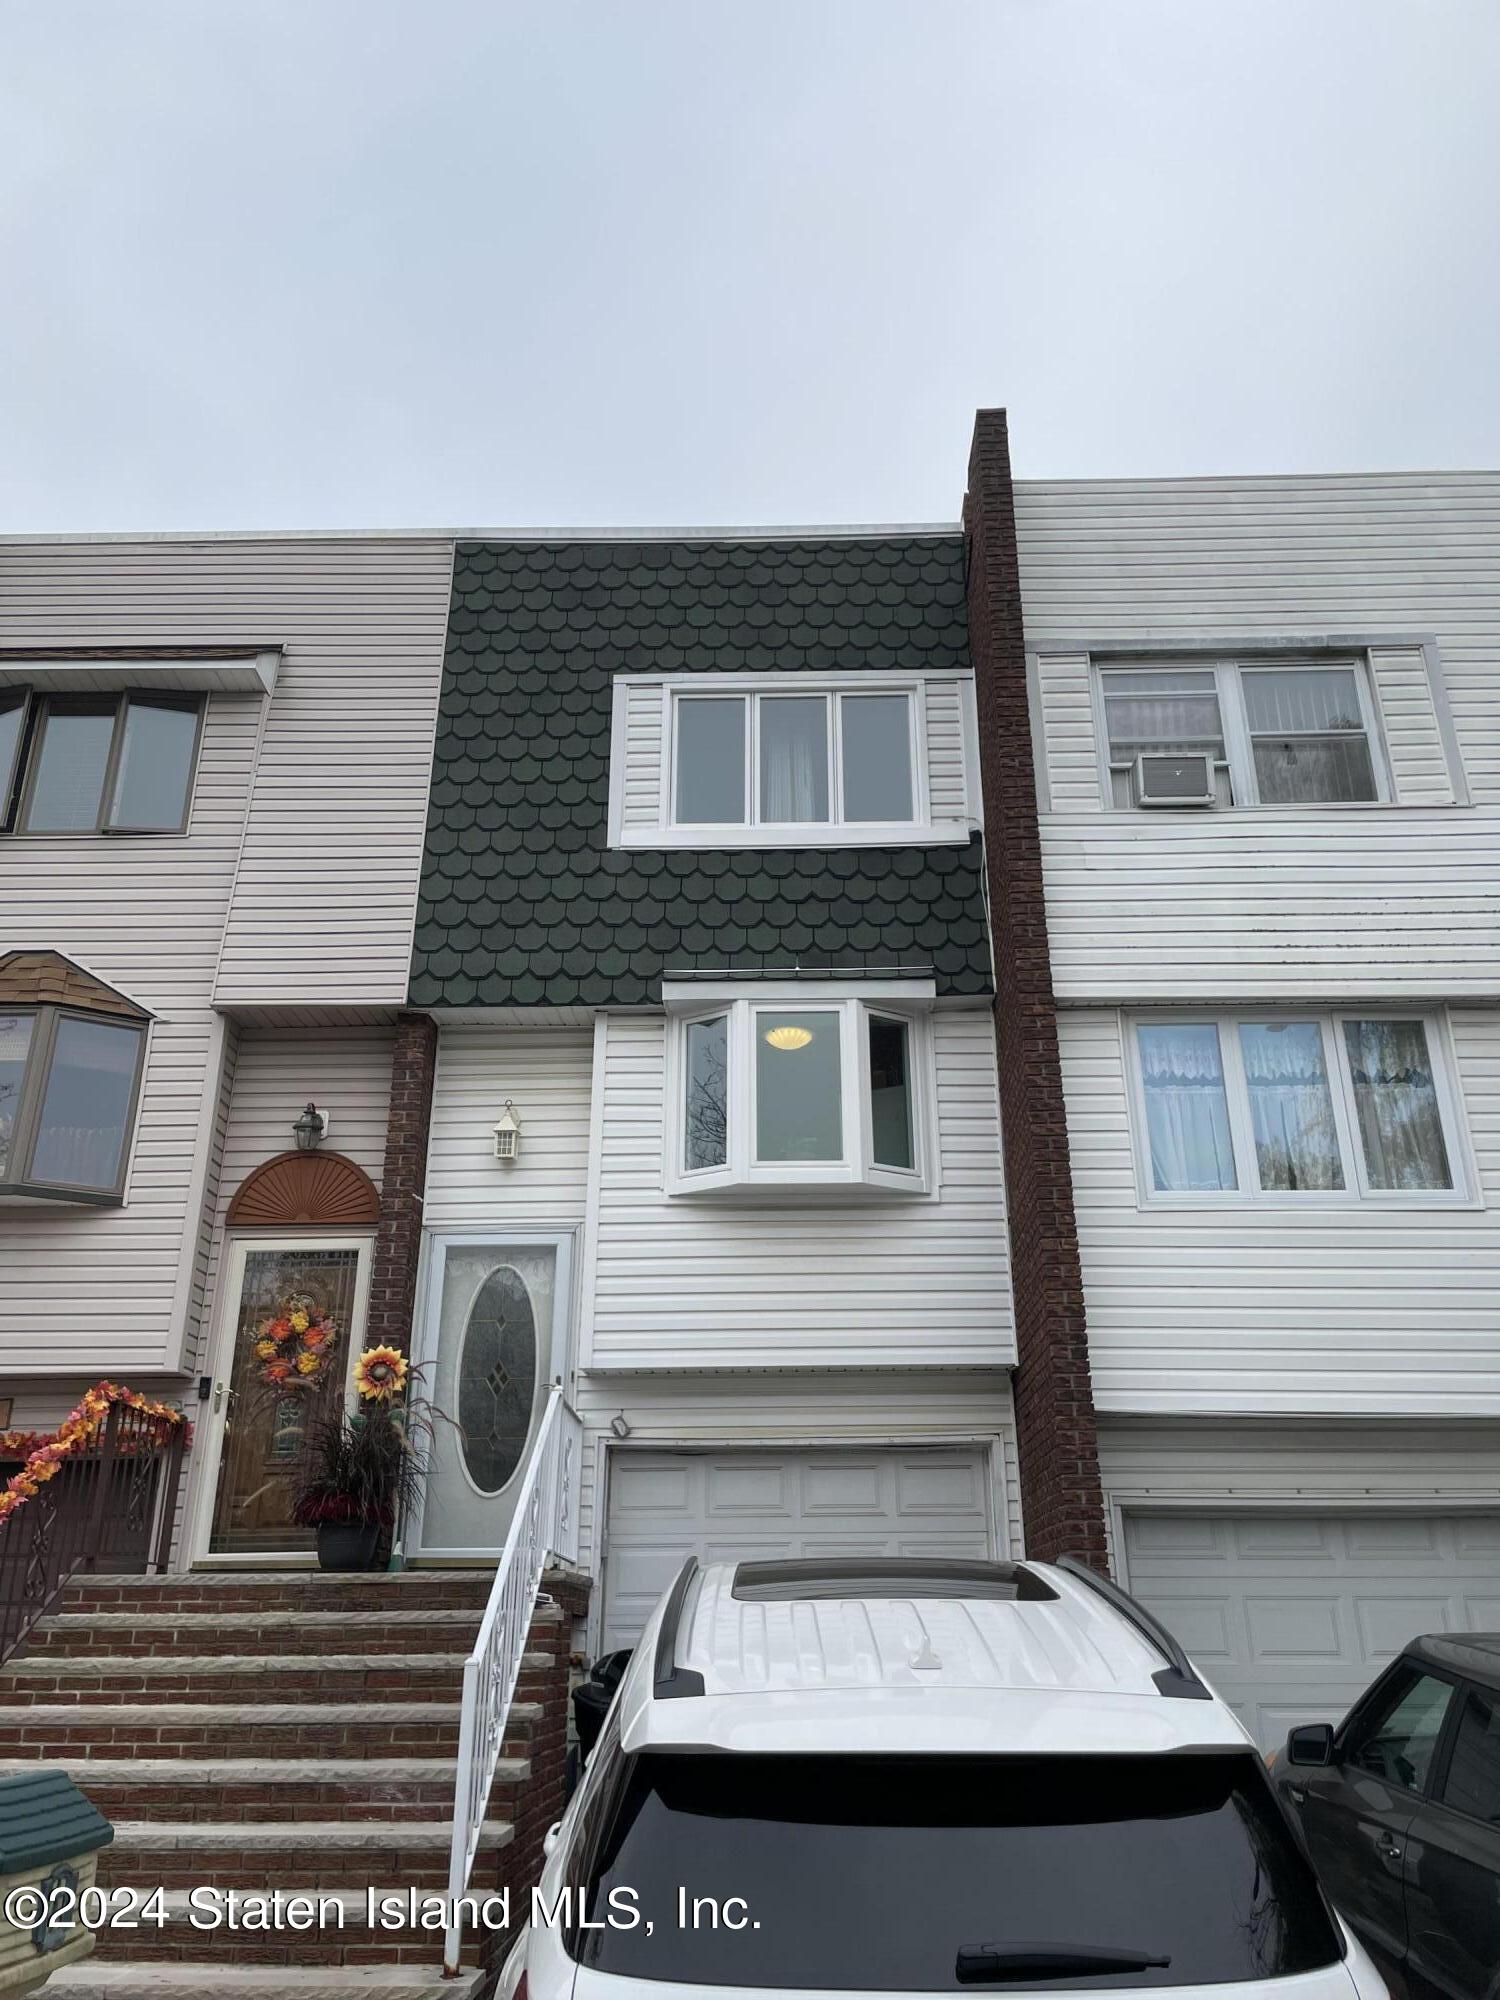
78 1428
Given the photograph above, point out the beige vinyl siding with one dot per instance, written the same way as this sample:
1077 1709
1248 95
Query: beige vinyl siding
345 1071
95 1289
1359 1309
327 880
730 1283
545 1072
873 1409
1385 901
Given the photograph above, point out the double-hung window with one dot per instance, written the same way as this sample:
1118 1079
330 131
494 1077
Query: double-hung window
69 1080
110 763
831 758
1294 1107
1269 733
796 1087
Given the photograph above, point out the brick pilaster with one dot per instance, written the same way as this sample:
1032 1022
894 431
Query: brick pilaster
393 1276
1057 1432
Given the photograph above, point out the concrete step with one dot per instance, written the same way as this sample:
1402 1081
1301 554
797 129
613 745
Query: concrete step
72 1732
261 1857
378 1788
100 1979
277 1632
110 1677
286 1590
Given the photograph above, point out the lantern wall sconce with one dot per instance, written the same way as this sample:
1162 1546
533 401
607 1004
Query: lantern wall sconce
311 1129
507 1133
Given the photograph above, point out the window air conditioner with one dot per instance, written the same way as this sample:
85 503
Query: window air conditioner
1174 778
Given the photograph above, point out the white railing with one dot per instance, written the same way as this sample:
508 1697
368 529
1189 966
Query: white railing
544 1525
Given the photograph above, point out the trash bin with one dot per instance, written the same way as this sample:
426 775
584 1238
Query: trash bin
50 1837
593 1695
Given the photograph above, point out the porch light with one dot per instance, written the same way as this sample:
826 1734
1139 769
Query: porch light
788 1037
311 1128
508 1134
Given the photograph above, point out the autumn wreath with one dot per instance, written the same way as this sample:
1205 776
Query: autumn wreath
295 1345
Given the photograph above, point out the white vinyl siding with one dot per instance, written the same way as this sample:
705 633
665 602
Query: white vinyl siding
802 1281
1366 1309
545 1072
1381 901
641 761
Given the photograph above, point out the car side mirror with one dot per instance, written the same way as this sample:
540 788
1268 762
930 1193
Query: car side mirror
1311 1744
549 1838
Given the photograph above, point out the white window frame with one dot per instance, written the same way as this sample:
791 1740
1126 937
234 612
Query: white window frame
909 1001
1234 721
1356 1191
666 831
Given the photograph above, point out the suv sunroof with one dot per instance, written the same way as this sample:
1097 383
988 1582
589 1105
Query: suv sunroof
885 1576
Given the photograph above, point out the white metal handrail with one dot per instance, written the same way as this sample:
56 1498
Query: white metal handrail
543 1526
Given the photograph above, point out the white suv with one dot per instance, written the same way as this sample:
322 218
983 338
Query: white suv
919 1776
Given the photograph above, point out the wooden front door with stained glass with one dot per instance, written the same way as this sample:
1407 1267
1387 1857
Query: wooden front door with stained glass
297 1311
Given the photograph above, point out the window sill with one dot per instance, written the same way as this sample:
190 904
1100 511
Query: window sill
936 833
1276 1208
833 1190
25 1195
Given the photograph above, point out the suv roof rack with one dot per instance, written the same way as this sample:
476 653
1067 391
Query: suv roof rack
1178 1680
669 1681
885 1576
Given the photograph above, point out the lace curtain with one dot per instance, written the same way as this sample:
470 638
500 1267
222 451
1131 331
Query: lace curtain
1187 1115
1291 1107
793 760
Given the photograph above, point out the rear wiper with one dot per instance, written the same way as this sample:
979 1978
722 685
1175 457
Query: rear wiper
978 1963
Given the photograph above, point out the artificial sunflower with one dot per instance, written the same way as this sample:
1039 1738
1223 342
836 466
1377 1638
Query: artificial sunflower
380 1374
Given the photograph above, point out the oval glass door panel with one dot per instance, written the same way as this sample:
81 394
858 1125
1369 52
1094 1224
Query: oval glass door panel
497 1379
490 1342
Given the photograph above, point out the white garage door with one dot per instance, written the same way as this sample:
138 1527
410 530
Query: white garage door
1292 1615
741 1505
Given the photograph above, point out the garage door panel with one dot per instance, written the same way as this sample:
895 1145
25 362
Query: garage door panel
1291 1616
763 1490
761 1505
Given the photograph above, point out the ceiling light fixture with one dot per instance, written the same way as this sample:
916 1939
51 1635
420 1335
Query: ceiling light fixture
789 1037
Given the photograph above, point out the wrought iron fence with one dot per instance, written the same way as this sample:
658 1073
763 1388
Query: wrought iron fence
544 1526
112 1488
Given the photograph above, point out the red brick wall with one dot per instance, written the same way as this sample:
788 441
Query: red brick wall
393 1276
1057 1434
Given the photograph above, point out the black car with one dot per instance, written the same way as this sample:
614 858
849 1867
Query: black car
1400 1808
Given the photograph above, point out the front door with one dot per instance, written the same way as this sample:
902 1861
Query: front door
295 1314
493 1340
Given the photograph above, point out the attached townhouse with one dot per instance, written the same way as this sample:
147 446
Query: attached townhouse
1265 715
703 916
214 755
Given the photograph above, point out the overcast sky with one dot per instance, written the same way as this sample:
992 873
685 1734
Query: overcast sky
329 263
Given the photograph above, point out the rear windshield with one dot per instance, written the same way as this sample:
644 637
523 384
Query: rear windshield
936 1874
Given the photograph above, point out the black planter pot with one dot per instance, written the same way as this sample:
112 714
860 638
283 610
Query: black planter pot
348 1545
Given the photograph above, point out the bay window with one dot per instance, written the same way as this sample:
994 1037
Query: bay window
796 1086
1294 1107
69 1081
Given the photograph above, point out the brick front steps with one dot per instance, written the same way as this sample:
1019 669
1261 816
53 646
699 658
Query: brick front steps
290 1731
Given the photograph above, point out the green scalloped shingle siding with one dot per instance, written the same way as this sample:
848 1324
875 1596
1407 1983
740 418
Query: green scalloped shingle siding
522 902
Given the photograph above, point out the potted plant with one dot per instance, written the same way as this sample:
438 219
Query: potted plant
358 1471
